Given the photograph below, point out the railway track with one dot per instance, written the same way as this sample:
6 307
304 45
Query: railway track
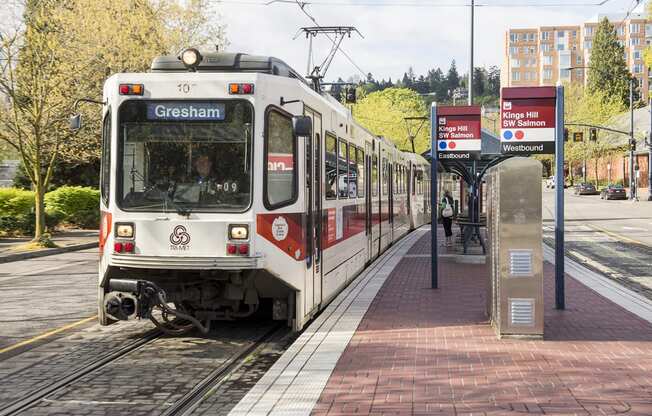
33 397
185 405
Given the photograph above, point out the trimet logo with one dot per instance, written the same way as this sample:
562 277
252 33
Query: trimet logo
507 105
442 121
179 239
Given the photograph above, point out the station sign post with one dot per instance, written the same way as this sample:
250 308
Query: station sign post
455 134
528 120
532 122
458 132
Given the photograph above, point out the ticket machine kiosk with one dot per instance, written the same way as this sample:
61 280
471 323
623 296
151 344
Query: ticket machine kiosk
514 231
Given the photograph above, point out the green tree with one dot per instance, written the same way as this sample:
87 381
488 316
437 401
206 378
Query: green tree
383 113
608 71
63 52
452 78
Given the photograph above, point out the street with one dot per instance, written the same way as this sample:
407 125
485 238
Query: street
611 237
46 293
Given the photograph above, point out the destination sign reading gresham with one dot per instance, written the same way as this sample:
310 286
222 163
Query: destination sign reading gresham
528 117
458 132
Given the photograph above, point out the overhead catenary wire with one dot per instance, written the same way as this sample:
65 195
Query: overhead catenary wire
424 4
302 6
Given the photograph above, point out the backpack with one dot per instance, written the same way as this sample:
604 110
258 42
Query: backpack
447 212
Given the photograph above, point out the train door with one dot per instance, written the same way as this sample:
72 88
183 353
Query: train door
368 199
313 213
390 200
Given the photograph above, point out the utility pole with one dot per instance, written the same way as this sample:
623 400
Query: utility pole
470 83
632 141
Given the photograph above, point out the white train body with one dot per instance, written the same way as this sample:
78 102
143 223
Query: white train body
276 220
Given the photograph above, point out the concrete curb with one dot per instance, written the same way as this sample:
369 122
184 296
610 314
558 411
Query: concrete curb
46 252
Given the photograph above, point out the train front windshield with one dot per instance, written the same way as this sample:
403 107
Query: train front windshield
184 156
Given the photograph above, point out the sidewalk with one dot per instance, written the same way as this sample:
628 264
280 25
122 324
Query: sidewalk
431 352
11 248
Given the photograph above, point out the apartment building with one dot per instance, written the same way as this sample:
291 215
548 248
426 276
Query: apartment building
542 56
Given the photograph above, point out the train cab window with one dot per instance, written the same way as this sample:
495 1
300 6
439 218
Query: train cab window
105 173
384 178
360 180
374 176
331 166
343 170
280 156
352 180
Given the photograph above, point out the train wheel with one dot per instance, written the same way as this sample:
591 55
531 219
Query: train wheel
102 317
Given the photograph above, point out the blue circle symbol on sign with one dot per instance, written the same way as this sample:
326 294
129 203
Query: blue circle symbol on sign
508 135
442 145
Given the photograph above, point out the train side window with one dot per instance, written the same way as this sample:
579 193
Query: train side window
280 178
353 172
385 190
342 170
374 176
407 179
360 179
414 180
105 173
331 166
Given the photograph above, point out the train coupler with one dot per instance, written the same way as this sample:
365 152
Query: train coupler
131 298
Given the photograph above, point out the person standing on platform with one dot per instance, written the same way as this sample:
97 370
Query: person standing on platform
446 213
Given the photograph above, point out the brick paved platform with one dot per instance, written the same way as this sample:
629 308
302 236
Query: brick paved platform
419 351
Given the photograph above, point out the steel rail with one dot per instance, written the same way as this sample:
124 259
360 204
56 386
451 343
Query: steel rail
187 404
35 396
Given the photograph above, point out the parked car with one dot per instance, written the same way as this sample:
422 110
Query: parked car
550 183
613 192
585 189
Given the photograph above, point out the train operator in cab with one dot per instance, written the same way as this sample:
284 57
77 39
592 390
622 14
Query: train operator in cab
206 180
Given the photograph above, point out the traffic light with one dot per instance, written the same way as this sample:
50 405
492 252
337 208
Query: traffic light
593 135
578 136
565 134
351 95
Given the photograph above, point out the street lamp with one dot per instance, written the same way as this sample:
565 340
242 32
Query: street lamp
632 141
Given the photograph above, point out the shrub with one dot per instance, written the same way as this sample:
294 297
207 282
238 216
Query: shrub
16 211
74 205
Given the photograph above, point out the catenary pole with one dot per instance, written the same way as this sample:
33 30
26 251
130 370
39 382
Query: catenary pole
560 301
470 83
434 206
632 183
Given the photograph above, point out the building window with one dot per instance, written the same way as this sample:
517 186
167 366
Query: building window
513 37
564 73
533 50
515 62
638 68
561 34
578 60
524 50
588 44
635 41
516 76
545 47
620 31
634 28
547 74
547 60
513 50
560 46
588 31
280 184
637 55
545 35
532 37
574 33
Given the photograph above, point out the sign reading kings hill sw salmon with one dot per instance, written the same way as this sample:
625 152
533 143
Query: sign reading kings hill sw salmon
527 120
458 132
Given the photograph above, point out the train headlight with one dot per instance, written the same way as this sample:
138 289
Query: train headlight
124 230
191 58
238 232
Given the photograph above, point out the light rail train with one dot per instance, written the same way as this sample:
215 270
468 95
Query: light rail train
228 185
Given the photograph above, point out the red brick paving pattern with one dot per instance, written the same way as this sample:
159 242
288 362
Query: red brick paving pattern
424 352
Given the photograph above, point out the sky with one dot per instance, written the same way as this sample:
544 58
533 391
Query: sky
397 33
